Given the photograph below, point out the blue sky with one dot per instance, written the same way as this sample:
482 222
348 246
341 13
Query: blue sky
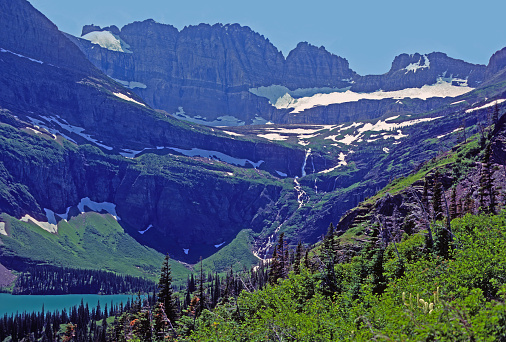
369 34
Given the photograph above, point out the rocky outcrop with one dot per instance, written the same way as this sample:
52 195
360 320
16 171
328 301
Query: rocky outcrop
496 68
65 85
26 31
208 72
308 66
187 204
416 70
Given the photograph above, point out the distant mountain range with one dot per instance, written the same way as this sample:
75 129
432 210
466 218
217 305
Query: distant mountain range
225 75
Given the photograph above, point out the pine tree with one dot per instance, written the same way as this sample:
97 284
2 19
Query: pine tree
437 203
453 204
425 195
495 114
328 256
165 292
377 270
201 290
487 191
279 263
297 259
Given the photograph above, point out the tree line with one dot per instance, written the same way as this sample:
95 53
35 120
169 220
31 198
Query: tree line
51 280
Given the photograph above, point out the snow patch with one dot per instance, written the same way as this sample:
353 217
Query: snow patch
186 250
128 153
258 120
491 104
70 128
386 150
298 105
127 98
145 230
234 134
17 54
98 207
418 65
107 40
378 126
221 244
197 152
50 216
454 131
282 174
275 92
65 215
50 227
342 162
273 136
2 229
454 103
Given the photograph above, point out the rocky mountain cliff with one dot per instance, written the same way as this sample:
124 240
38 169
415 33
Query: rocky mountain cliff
73 139
49 82
230 75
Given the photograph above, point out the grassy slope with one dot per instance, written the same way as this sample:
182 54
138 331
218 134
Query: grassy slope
91 240
96 241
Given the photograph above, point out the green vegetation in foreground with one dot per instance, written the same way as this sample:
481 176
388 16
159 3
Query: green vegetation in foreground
461 298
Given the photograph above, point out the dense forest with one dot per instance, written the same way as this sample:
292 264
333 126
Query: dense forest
50 280
78 324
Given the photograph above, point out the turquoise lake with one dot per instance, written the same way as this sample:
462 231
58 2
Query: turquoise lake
10 304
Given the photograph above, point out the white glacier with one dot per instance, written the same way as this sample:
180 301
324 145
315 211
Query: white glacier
108 41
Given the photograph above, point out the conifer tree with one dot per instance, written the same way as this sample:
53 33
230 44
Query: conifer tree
425 195
279 263
201 290
437 203
487 191
165 292
495 114
298 258
329 250
453 204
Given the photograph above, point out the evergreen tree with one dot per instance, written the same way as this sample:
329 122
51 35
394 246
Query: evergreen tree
437 203
279 263
487 192
165 292
453 204
495 114
297 258
425 196
328 256
377 270
201 290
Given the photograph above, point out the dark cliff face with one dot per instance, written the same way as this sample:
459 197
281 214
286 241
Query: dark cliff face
308 66
416 70
26 31
496 68
186 207
209 70
66 85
